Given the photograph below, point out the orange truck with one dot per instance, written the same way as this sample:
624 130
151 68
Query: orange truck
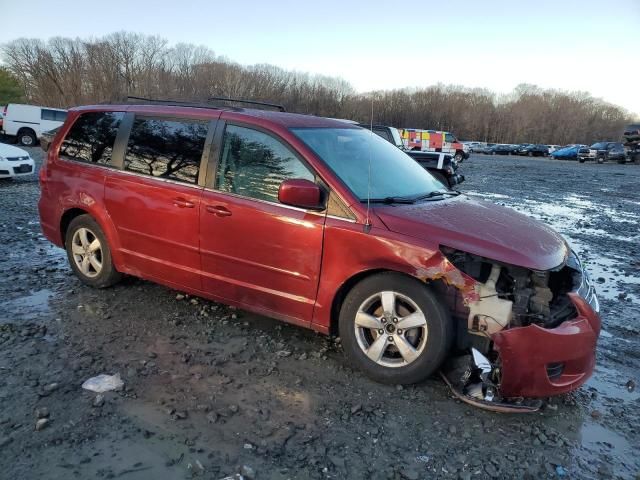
434 141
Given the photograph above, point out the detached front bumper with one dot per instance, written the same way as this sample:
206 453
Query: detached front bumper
539 362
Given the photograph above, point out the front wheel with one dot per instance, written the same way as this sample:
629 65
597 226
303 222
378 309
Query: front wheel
89 254
395 329
459 156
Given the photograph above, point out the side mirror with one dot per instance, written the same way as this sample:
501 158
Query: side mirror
301 193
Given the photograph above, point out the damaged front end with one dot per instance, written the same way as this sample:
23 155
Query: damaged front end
524 334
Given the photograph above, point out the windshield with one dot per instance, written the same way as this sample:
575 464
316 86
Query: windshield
599 145
347 152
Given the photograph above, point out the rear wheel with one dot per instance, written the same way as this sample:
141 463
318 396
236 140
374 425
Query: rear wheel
27 137
89 254
395 329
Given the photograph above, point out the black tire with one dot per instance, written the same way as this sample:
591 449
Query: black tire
437 341
581 160
27 137
108 275
459 156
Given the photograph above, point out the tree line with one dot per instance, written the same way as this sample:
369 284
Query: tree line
63 72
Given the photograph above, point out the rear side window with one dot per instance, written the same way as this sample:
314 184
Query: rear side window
91 138
166 148
54 115
254 164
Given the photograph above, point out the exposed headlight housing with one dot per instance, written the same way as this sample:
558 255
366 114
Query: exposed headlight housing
585 287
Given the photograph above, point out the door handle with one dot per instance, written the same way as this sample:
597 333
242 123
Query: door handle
218 210
182 203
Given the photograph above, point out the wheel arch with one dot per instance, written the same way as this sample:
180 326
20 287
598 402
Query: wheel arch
352 281
27 130
102 220
67 217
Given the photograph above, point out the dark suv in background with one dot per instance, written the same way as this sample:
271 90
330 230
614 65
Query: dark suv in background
534 150
601 152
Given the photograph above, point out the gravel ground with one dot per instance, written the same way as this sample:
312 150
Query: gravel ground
212 391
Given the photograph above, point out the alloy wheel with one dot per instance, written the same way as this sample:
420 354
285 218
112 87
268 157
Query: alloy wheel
391 330
87 252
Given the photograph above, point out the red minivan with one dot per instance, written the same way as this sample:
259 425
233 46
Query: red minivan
323 224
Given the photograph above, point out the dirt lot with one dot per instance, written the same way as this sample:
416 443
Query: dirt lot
211 392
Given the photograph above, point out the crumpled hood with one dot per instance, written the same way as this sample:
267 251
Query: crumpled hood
481 228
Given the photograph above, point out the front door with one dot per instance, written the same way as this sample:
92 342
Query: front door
255 251
154 201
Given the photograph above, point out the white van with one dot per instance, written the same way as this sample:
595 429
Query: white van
27 122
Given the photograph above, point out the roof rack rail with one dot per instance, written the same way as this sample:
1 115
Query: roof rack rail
249 102
174 103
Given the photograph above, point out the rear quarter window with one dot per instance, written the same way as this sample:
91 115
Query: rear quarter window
91 138
53 115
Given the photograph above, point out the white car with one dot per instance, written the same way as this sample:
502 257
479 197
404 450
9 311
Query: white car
27 122
553 148
14 162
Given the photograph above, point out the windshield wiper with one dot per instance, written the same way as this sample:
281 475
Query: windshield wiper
390 200
438 193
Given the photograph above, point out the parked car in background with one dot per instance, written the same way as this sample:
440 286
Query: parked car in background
617 153
632 137
632 132
14 162
567 153
485 148
599 151
585 153
553 148
534 150
474 146
502 149
323 225
27 122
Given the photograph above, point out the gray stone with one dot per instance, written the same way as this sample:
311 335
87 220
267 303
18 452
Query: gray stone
42 424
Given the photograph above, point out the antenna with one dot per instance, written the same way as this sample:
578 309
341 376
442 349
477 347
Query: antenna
367 221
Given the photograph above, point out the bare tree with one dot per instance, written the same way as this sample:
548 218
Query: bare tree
64 72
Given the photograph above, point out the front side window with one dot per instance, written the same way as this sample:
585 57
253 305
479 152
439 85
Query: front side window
254 164
91 137
355 154
450 138
166 148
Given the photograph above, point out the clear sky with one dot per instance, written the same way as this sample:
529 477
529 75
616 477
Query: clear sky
588 45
